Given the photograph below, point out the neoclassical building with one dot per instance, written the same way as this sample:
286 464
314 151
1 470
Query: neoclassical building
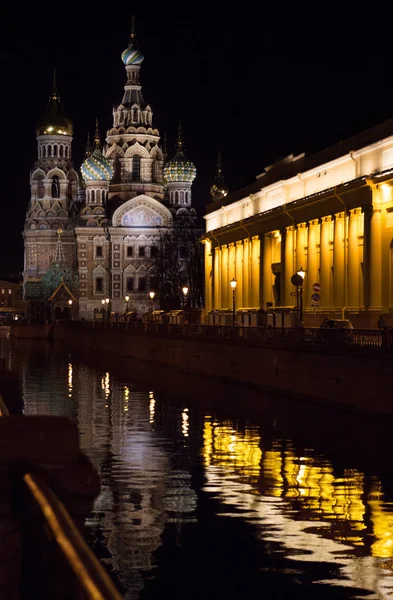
110 218
330 213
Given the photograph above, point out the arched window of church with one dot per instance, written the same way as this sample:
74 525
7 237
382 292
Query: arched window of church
135 115
40 188
55 187
66 151
69 192
49 150
92 196
136 168
61 151
54 150
187 197
177 197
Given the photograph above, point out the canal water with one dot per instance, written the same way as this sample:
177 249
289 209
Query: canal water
213 491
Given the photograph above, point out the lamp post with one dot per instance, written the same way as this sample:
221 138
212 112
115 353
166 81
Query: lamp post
185 293
301 275
127 299
152 294
108 313
70 305
103 310
233 284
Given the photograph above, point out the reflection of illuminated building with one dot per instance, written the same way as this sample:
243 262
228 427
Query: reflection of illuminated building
332 510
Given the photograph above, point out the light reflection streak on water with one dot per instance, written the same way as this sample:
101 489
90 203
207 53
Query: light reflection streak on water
152 406
334 509
185 422
69 380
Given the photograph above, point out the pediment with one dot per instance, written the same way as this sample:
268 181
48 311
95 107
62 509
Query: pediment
142 211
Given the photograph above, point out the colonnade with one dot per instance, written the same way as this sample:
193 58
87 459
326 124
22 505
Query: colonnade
342 252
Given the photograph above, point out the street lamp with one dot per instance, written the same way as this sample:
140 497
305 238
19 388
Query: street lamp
301 275
103 309
233 284
108 313
185 292
127 299
70 303
152 294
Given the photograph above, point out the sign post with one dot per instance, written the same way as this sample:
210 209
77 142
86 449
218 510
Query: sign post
315 297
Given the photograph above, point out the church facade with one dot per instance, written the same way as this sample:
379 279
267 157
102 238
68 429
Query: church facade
111 216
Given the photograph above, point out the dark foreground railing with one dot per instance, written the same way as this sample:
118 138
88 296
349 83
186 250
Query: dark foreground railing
313 337
47 490
56 561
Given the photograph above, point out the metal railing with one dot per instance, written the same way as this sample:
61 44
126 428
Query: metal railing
56 561
306 337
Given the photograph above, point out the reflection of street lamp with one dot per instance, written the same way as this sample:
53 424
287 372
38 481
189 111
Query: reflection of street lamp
233 284
301 275
127 299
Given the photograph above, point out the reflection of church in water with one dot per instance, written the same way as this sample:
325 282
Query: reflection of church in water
106 225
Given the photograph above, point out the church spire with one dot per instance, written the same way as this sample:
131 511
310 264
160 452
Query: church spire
60 259
179 143
133 40
54 95
97 141
88 146
219 189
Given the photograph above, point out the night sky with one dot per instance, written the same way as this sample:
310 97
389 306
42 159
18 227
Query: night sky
256 85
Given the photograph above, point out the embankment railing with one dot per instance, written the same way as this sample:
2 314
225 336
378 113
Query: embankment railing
308 337
47 489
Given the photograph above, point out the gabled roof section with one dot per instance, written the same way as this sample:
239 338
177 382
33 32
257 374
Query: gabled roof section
67 290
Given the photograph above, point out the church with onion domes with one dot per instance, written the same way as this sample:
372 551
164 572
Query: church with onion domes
93 235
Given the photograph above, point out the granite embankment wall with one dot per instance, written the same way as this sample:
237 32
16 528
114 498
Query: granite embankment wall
359 379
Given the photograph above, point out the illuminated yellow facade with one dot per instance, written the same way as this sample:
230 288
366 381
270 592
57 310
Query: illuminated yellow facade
329 213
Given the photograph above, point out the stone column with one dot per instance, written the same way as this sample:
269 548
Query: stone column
224 278
289 265
209 284
338 262
326 254
354 260
256 300
267 270
217 277
246 272
283 233
375 260
239 273
313 253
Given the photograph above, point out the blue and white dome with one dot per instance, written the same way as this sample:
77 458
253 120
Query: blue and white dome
132 56
96 167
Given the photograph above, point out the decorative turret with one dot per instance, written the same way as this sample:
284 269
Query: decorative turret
219 189
132 55
132 143
97 173
179 173
95 167
54 122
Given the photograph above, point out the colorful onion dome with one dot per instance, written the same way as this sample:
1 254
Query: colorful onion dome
179 168
54 121
96 167
132 55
